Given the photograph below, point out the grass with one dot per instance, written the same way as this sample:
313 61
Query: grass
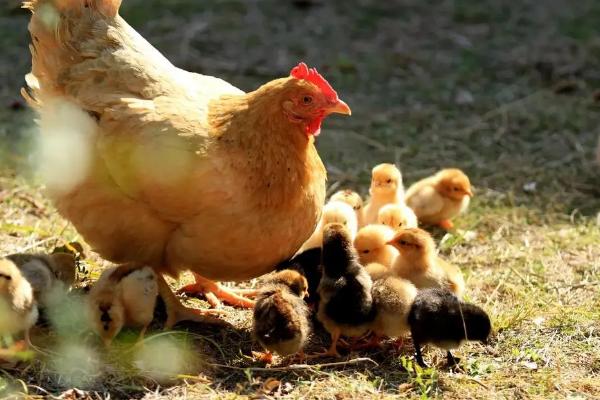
502 89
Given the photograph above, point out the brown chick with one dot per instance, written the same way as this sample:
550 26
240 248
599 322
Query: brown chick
18 309
371 245
386 188
280 322
123 296
46 273
353 199
441 197
419 263
397 216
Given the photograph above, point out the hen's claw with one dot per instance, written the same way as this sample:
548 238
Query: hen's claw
216 293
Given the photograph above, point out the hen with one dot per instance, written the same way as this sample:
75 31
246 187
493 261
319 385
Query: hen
159 166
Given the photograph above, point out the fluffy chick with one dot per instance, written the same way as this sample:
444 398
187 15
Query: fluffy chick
441 197
371 245
397 216
393 298
307 264
333 212
280 322
46 273
346 305
18 309
386 188
353 199
123 296
419 263
438 317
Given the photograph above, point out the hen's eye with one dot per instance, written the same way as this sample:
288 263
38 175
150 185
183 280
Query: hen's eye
307 99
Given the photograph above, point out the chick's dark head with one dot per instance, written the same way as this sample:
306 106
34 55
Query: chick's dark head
292 279
338 252
477 322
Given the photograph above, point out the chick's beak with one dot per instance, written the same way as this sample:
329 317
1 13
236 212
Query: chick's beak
469 192
339 107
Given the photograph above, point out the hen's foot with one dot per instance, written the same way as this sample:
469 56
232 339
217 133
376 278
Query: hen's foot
446 224
216 293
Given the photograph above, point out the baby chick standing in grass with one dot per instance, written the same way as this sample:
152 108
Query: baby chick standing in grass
438 317
371 245
18 309
386 188
353 199
333 211
48 275
346 305
441 197
280 322
397 216
419 263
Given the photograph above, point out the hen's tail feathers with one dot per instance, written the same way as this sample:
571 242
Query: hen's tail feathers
59 30
108 8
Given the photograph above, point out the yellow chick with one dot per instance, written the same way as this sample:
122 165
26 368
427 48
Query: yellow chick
419 263
377 271
397 216
393 298
441 197
333 212
353 199
18 309
371 245
46 273
280 321
386 188
123 296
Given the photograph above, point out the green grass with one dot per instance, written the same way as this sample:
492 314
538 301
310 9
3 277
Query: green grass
532 259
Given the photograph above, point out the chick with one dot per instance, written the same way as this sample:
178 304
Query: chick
18 309
441 197
334 211
346 305
307 264
353 199
392 298
397 216
371 245
438 317
46 273
386 188
419 263
123 296
280 322
377 271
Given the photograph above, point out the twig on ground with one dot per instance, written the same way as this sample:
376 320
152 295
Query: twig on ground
296 367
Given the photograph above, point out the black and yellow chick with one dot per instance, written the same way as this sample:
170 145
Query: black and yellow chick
346 304
308 264
438 317
280 322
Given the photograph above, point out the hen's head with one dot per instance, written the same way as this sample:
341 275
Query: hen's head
306 98
454 184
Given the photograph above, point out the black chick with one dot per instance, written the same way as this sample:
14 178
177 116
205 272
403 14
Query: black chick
346 305
438 317
308 264
280 321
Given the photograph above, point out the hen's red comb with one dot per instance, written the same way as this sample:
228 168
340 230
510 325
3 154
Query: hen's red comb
301 71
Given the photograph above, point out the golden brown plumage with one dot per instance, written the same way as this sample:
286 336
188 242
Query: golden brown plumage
419 263
371 245
280 322
169 168
441 197
386 188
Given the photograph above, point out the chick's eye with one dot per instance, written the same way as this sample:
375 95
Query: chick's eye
403 242
388 181
307 100
365 251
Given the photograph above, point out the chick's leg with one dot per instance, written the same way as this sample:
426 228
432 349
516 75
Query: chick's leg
216 293
446 224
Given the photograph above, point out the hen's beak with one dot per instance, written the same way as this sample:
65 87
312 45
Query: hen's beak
339 107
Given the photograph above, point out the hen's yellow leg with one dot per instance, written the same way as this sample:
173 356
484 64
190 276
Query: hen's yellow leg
216 293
